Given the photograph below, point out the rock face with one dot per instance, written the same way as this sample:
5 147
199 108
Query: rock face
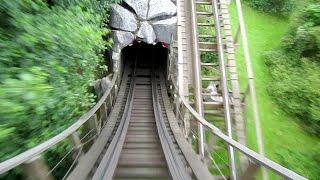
101 86
123 19
146 33
164 29
151 21
121 39
139 6
159 8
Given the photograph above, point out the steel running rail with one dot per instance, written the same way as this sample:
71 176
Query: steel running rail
111 158
36 151
176 167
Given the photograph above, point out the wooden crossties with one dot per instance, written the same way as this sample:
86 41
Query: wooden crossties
210 70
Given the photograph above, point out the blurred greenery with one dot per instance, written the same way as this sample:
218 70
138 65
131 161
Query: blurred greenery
295 69
280 7
50 53
284 137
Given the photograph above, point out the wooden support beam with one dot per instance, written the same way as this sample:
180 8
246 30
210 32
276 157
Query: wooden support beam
103 114
36 169
93 124
76 141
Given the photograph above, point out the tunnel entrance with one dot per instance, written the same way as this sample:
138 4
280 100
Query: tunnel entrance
146 54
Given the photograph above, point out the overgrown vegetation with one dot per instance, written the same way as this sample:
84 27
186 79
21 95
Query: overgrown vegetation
305 163
286 142
282 7
50 52
295 69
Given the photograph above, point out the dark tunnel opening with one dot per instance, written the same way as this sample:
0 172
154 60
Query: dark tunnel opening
146 54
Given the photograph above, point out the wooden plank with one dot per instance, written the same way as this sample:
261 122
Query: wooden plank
212 105
209 78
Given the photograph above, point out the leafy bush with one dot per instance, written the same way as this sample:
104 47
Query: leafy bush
312 14
299 161
304 38
50 52
295 68
272 6
48 58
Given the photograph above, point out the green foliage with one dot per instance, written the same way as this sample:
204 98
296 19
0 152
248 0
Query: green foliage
296 87
304 38
295 69
54 155
301 161
208 57
50 52
272 6
49 55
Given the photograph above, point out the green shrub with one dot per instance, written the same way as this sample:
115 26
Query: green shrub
296 87
304 37
295 68
272 6
312 14
299 161
48 58
50 52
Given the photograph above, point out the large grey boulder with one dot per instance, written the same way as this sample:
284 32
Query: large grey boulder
159 8
122 18
106 83
121 39
102 85
140 7
97 88
146 33
164 29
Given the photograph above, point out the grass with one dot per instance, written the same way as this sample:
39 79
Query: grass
284 138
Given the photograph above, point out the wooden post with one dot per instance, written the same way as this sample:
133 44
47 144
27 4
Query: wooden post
250 172
114 96
36 169
103 114
177 107
93 124
115 90
111 99
236 38
107 110
76 141
186 120
108 102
